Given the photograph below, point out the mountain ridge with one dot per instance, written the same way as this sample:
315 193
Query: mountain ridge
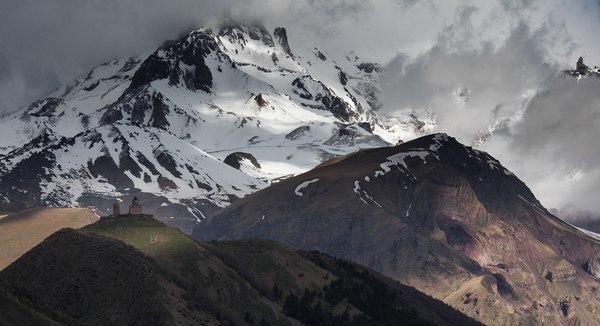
442 217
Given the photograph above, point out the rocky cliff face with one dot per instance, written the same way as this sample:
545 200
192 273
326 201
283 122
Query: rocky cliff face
437 215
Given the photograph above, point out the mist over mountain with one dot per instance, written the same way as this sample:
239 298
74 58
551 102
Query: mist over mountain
480 64
508 100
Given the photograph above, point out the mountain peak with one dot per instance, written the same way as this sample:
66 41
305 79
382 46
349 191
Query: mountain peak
256 31
166 62
581 67
201 97
436 214
582 70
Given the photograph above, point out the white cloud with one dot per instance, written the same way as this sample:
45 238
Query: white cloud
554 146
497 68
469 91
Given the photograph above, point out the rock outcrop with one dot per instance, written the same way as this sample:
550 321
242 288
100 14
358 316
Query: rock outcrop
582 70
281 36
581 67
235 160
592 265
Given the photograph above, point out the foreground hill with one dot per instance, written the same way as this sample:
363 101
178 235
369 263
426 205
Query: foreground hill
21 231
442 217
138 271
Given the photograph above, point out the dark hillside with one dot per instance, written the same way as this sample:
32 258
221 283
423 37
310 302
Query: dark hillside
138 271
91 279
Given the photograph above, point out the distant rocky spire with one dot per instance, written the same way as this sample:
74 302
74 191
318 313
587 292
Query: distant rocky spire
581 67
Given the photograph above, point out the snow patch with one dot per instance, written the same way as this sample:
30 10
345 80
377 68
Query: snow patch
195 212
439 140
398 159
356 187
363 194
304 185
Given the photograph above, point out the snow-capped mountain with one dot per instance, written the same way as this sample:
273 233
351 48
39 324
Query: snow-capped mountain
161 125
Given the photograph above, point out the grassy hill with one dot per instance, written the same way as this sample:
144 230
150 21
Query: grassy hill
138 271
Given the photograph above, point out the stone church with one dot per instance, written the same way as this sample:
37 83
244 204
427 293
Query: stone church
135 209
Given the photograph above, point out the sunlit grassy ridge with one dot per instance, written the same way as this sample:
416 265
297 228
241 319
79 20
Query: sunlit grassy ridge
153 238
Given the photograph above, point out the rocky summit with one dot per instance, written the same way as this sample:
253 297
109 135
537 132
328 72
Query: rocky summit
582 70
440 216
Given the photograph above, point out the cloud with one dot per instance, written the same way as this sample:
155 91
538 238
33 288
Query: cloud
468 91
496 71
46 43
554 144
476 66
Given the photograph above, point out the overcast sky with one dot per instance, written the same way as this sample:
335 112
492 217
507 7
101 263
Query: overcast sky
505 53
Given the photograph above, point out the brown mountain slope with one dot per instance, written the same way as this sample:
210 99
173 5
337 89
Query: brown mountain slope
23 230
437 215
138 271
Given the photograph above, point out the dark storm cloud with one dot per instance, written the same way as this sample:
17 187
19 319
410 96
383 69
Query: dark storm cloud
45 43
468 91
568 107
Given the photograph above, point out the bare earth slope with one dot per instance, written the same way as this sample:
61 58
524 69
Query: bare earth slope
439 216
23 230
